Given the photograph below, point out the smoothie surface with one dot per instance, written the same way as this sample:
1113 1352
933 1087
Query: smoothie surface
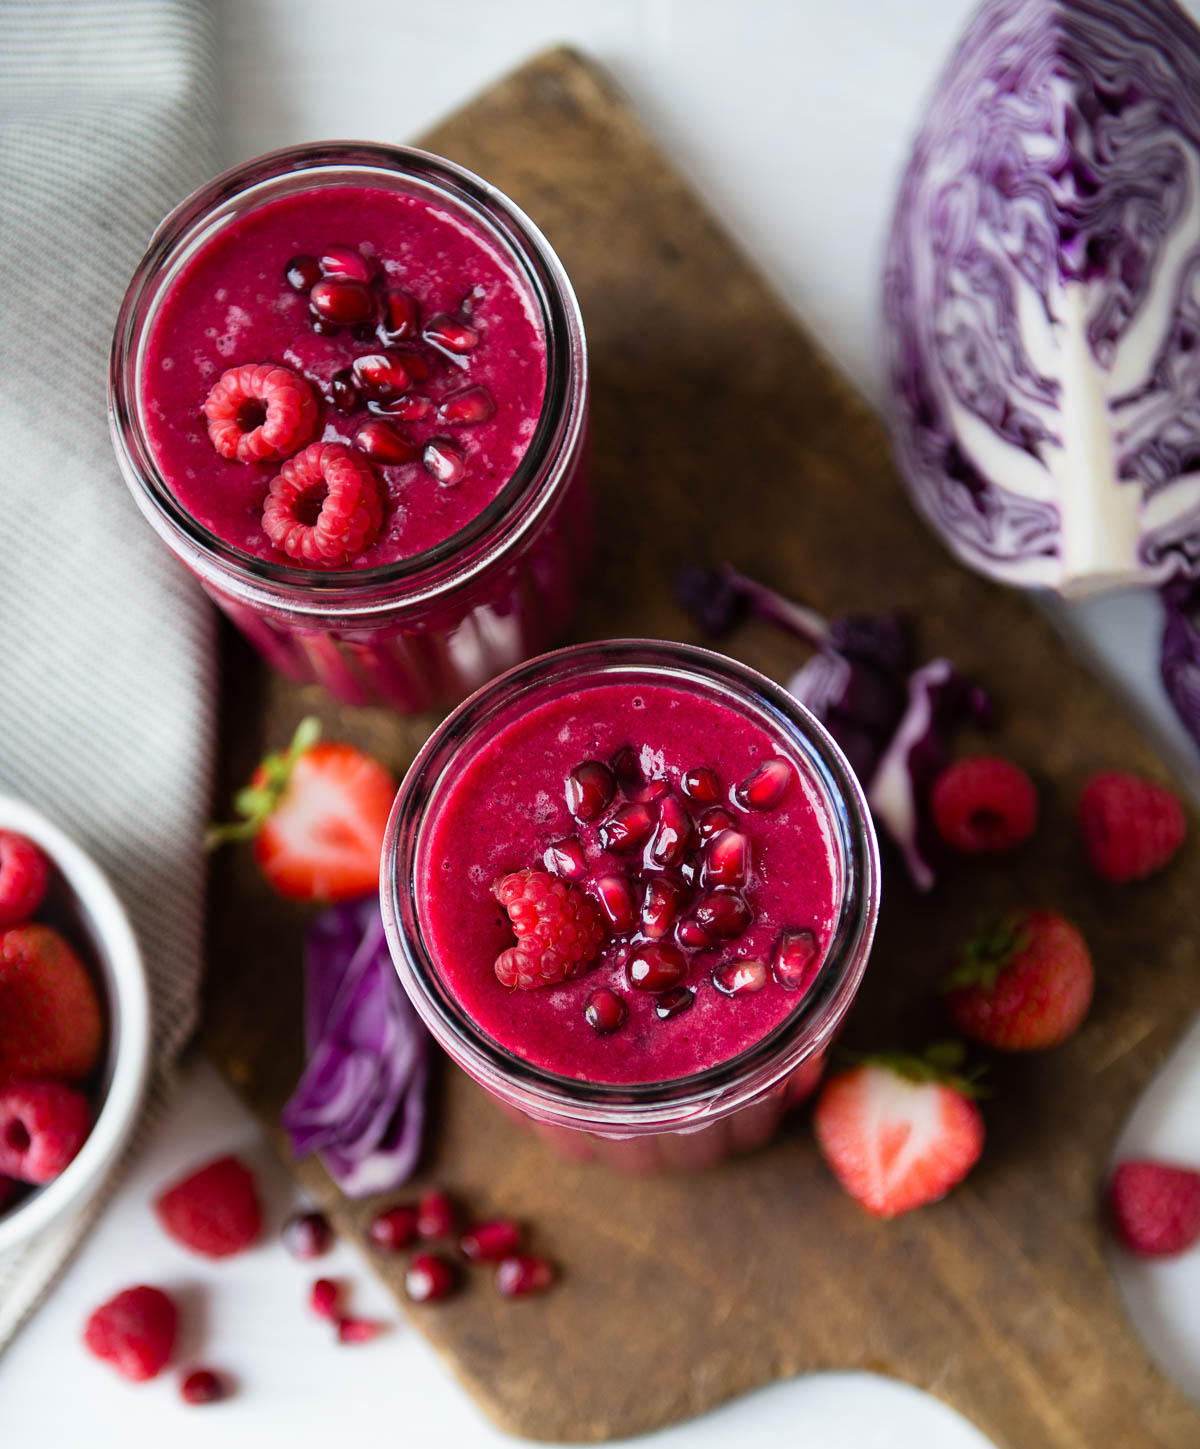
508 802
231 305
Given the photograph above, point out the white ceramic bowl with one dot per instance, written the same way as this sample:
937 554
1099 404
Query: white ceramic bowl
114 952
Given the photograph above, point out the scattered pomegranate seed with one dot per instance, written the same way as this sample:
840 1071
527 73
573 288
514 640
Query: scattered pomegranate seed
307 1235
727 859
713 821
723 913
670 842
393 1229
435 1215
345 262
627 828
342 301
663 901
429 1278
401 315
382 443
692 934
343 392
766 787
450 335
566 858
382 375
702 786
490 1242
605 1011
615 896
518 1277
202 1386
324 1297
797 959
444 461
466 408
410 407
672 1003
303 273
740 978
359 1330
590 789
656 967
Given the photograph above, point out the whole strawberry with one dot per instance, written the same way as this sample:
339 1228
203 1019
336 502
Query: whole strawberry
1023 983
317 813
558 928
1155 1207
1131 827
900 1131
51 1024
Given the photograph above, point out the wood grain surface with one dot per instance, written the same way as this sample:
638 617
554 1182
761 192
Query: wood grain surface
721 432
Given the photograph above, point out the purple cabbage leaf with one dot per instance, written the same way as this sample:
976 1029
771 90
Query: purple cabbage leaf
1180 660
360 1102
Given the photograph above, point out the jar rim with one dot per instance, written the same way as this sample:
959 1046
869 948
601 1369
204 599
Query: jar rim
497 528
633 1108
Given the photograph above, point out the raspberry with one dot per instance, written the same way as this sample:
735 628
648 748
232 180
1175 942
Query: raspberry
260 412
1131 827
984 804
135 1332
50 1019
214 1210
558 927
325 507
1155 1207
42 1126
23 877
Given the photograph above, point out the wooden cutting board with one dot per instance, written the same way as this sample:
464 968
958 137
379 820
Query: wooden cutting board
721 432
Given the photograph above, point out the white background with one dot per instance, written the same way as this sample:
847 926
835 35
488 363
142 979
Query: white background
792 118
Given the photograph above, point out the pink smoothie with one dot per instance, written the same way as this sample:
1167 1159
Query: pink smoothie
508 802
232 304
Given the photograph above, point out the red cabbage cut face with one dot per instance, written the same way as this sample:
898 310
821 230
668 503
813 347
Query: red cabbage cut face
1042 296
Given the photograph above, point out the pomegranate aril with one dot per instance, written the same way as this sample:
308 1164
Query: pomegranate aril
518 1277
393 1229
435 1215
656 967
797 959
671 1003
201 1386
383 444
344 393
605 1011
410 407
663 901
740 978
765 788
670 842
627 828
342 301
324 1297
429 1278
466 408
449 334
444 461
590 789
359 1330
401 316
303 273
615 896
307 1235
627 771
727 859
490 1242
713 821
565 858
691 933
382 375
701 786
649 791
345 262
723 913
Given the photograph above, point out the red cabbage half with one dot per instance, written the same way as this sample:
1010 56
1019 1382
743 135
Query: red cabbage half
360 1103
1042 296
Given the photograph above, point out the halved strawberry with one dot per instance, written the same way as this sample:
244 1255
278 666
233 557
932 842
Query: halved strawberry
317 813
900 1131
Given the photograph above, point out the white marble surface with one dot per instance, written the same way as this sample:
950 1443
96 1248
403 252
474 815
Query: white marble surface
792 119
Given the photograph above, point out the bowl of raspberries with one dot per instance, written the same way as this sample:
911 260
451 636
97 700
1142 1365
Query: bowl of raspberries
74 1024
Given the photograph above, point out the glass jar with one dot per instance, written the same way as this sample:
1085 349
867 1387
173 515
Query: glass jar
691 1121
426 630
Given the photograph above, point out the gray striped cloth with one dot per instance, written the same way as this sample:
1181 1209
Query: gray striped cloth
108 116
